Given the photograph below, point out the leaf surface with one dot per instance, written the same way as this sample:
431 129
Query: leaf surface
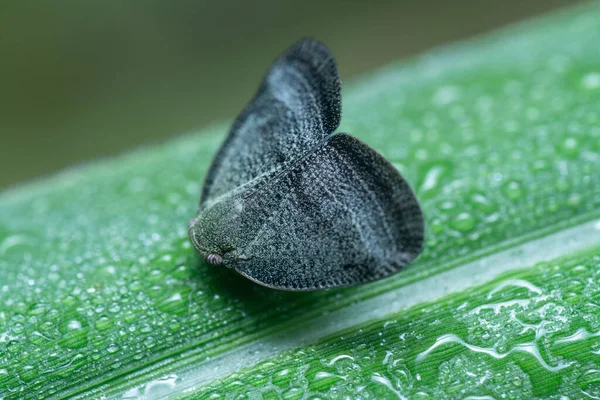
500 137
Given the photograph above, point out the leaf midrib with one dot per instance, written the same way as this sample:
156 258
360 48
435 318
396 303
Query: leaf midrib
197 355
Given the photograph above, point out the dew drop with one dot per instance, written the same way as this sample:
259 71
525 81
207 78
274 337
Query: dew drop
114 308
17 328
13 347
574 199
113 348
446 95
182 272
569 147
432 179
174 326
155 276
482 203
513 190
591 81
463 222
103 323
68 300
38 338
292 394
38 309
436 226
135 286
28 373
149 342
74 324
75 336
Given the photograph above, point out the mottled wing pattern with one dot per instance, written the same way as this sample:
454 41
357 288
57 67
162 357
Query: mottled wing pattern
297 106
341 215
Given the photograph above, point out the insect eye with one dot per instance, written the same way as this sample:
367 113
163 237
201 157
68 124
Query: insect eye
214 259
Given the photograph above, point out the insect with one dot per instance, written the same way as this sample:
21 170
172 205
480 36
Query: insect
291 205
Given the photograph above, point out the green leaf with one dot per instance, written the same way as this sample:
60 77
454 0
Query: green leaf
102 294
532 333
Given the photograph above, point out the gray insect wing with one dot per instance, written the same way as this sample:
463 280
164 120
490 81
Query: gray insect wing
292 206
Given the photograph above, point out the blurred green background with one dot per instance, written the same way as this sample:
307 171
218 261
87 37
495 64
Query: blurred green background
85 79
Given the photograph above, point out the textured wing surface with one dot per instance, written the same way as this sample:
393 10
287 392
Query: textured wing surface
342 215
297 106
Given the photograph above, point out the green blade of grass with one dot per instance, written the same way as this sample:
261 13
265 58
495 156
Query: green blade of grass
102 291
528 334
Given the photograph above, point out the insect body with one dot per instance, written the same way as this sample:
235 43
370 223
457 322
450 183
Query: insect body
292 206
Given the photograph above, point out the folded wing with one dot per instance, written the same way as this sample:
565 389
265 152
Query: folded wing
297 106
339 216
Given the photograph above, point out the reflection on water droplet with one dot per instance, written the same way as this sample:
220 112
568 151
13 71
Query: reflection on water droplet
340 357
149 342
482 203
497 307
513 190
114 308
574 199
446 95
463 222
580 334
133 393
17 328
113 348
174 326
432 179
448 205
377 378
135 286
591 80
37 338
182 271
38 309
176 303
155 276
12 241
160 387
515 282
388 354
324 374
529 348
28 373
569 147
103 323
74 324
292 394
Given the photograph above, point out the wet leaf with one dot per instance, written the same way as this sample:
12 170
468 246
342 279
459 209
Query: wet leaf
102 293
